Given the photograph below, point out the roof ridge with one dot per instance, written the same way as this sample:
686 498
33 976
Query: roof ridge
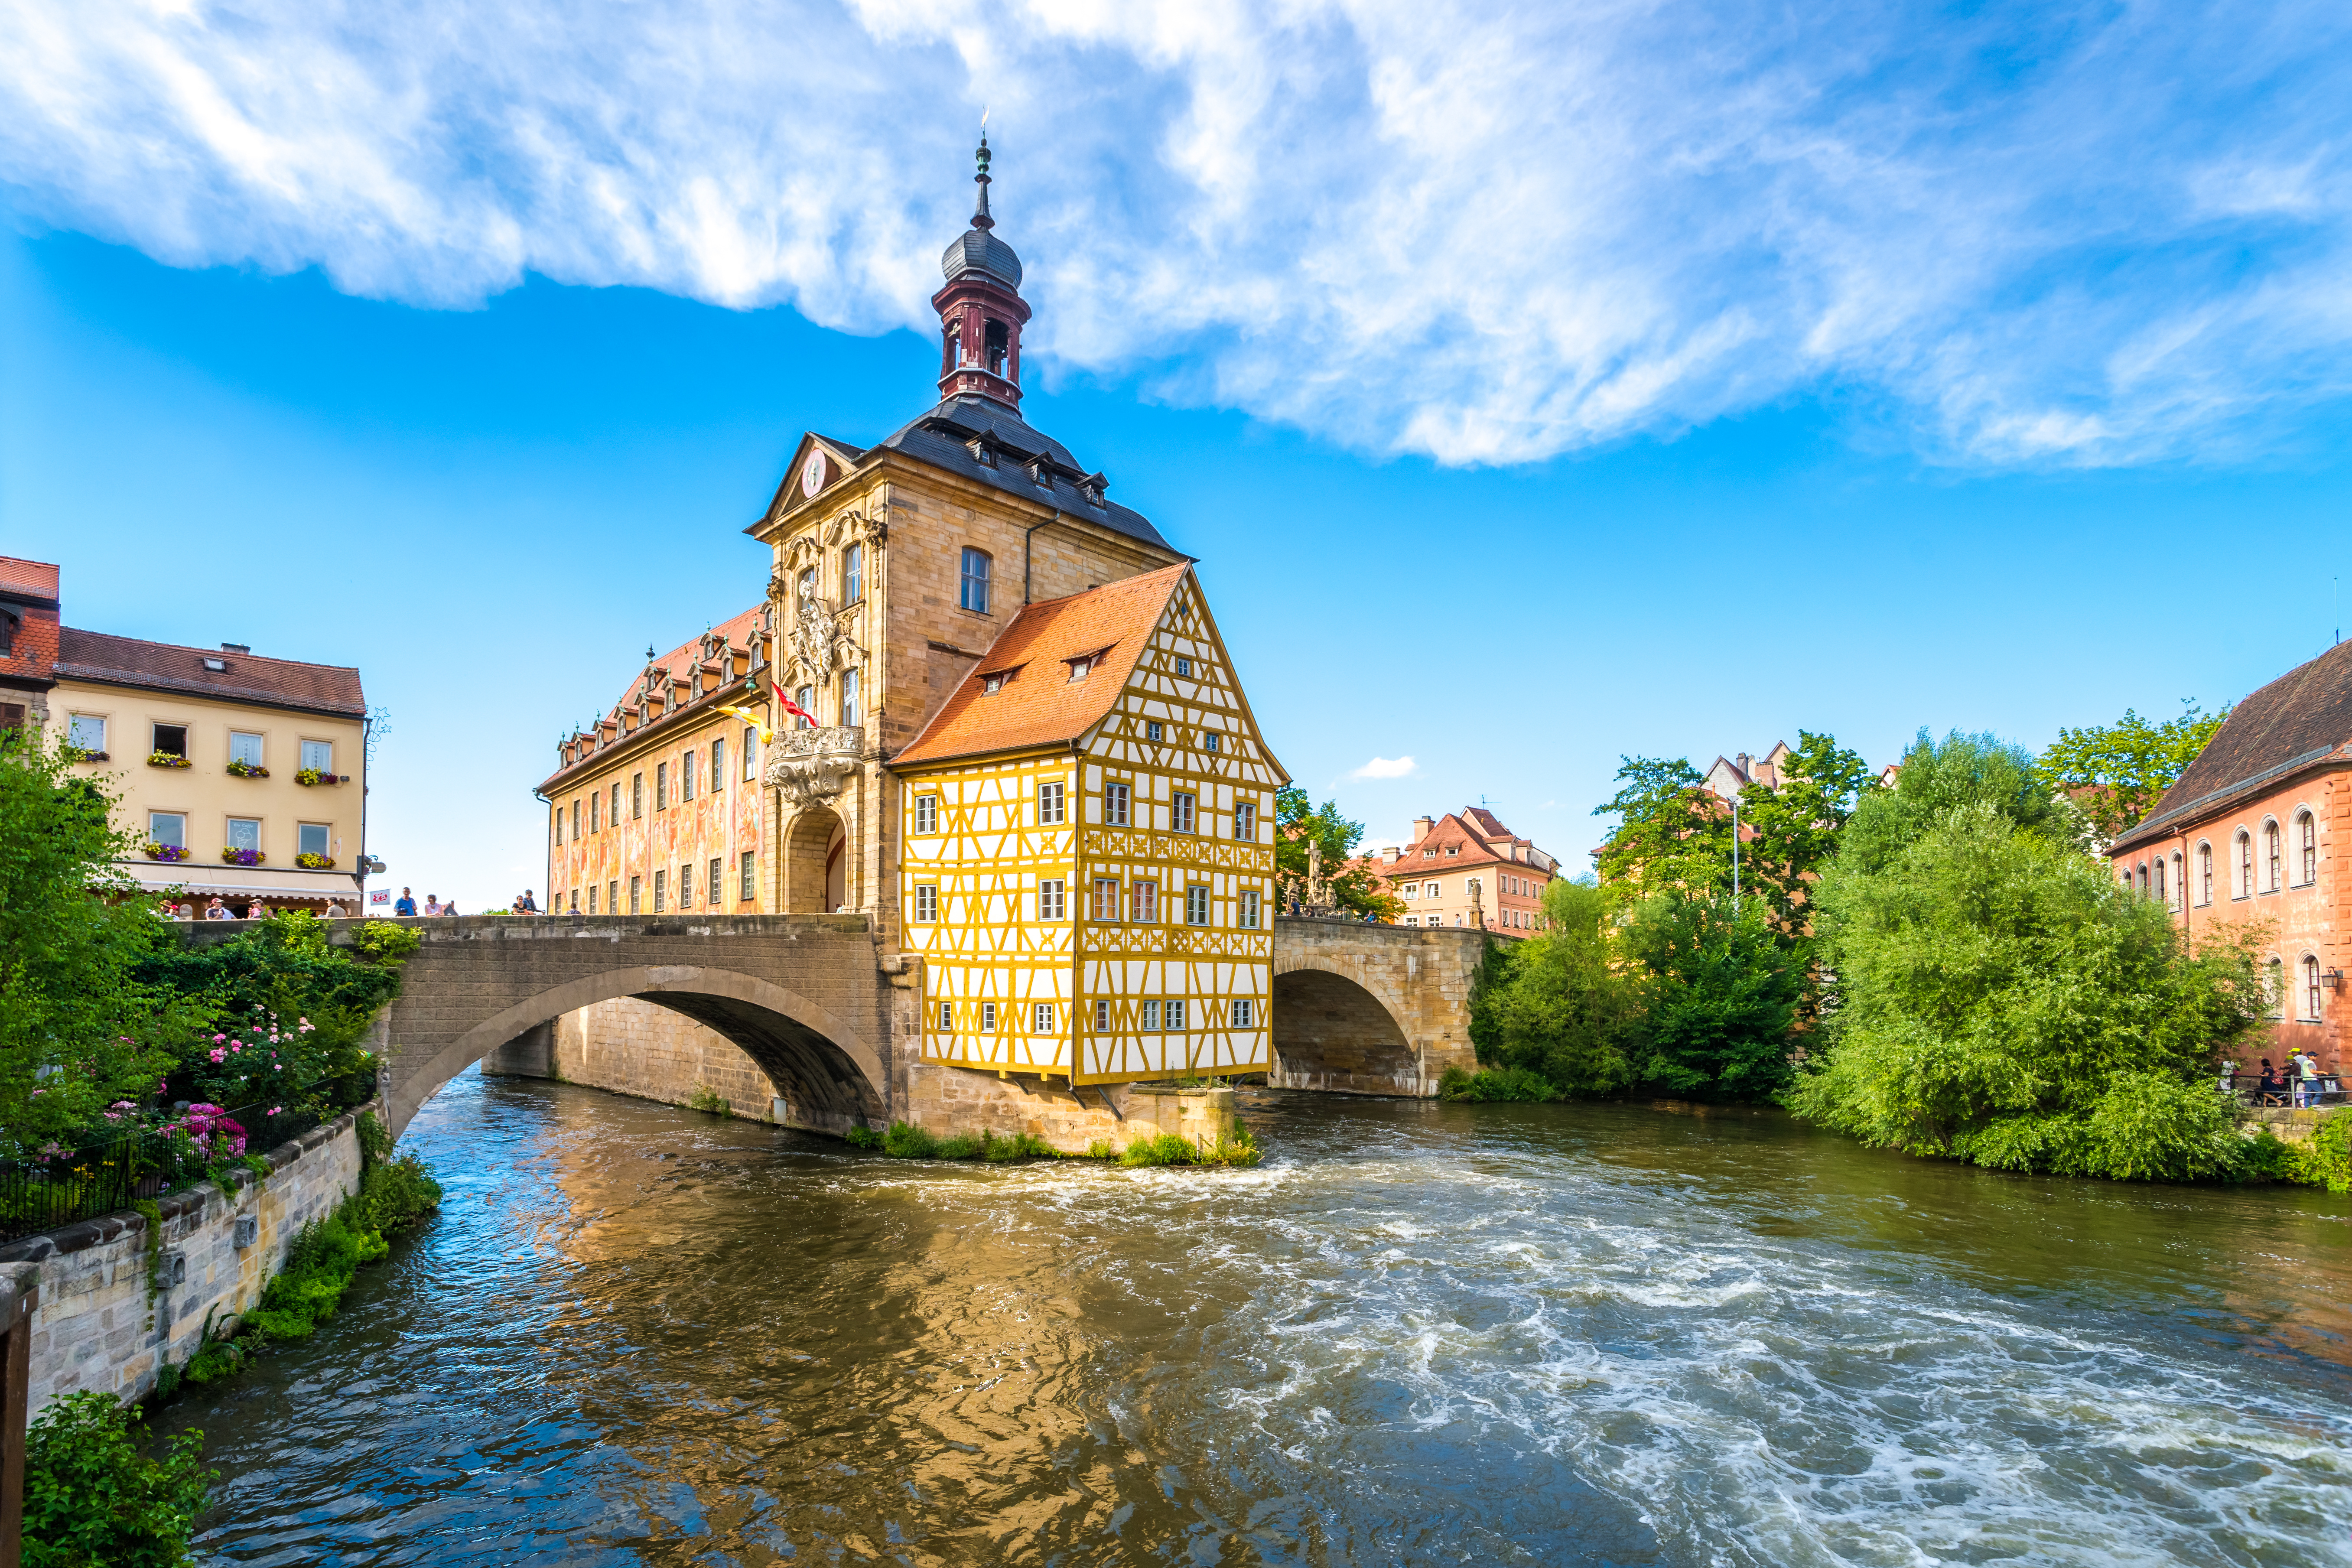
208 652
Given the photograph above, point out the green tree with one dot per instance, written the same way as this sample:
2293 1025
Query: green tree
1793 829
1720 992
2116 773
1937 777
2001 1000
1672 832
95 1499
79 1026
1299 823
1558 1002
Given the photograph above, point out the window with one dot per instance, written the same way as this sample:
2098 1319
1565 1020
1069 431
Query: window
1249 908
2179 887
1183 667
575 898
1049 802
559 825
686 776
718 764
661 883
86 733
245 833
2245 864
1432 890
1180 812
1102 1014
975 580
1041 1018
1104 904
168 828
750 753
1213 742
927 814
311 837
849 699
1053 903
1245 1013
636 799
2271 859
2306 851
2143 880
745 893
592 898
1196 905
993 681
805 700
170 739
947 1018
1245 821
613 896
615 817
319 755
808 583
927 901
1151 1014
636 889
2204 873
593 802
661 786
853 575
1152 730
713 882
988 1017
2311 987
2274 986
1175 1013
575 821
1115 796
1454 850
1143 904
245 747
686 885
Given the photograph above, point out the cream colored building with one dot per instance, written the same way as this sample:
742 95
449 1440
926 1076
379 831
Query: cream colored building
1467 868
241 775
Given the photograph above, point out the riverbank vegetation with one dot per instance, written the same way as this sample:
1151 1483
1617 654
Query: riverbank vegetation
1943 966
904 1140
100 1494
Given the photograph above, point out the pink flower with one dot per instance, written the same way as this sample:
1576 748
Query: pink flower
218 1038
236 1046
277 1110
217 1054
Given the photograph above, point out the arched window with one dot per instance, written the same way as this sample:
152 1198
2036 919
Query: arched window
2311 987
849 699
2270 857
2142 879
808 581
2245 888
2275 986
2163 886
853 575
2307 840
805 699
2204 873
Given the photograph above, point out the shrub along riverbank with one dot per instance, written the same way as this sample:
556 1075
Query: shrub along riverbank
904 1141
1943 967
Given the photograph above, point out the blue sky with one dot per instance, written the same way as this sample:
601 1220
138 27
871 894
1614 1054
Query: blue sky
1534 387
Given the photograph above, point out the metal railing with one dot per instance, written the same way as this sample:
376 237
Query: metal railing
100 1177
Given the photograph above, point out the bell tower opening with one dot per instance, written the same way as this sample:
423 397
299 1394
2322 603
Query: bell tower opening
981 309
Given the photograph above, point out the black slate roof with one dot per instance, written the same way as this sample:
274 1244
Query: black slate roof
1028 463
2301 720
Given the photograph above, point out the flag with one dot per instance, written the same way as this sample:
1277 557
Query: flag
791 707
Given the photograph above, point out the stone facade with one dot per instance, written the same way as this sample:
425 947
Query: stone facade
96 1326
1364 1009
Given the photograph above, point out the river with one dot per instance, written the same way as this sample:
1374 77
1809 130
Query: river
1418 1333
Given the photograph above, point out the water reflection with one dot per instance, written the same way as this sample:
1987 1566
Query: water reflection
1421 1333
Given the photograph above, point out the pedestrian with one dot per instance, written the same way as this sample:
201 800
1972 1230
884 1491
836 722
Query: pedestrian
432 905
217 910
334 910
406 904
526 905
257 911
449 909
2271 1086
2307 1075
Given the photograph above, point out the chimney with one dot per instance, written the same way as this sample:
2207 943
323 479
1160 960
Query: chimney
1389 852
1420 826
236 647
1747 765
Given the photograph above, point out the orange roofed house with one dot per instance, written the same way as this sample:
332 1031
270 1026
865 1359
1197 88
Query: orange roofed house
1463 867
2255 831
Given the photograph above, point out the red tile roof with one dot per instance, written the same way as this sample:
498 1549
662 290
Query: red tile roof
679 664
33 579
2299 720
112 660
1041 705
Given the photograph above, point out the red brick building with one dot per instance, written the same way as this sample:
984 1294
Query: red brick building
2255 832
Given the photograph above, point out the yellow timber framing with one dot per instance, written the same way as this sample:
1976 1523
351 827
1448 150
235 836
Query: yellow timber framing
981 846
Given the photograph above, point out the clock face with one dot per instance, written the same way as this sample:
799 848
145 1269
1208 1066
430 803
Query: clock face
813 474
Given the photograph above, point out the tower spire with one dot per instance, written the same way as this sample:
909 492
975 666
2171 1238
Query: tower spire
981 309
980 218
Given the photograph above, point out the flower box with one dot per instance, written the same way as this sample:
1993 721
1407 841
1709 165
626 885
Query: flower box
76 754
315 862
242 857
170 854
248 771
313 776
165 760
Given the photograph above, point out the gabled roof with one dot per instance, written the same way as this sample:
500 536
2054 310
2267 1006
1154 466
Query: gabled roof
1478 836
28 579
1041 705
2299 720
112 660
733 635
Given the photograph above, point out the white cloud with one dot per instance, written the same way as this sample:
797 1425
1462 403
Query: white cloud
2024 235
1385 768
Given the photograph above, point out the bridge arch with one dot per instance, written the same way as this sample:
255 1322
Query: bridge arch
1334 1030
815 1056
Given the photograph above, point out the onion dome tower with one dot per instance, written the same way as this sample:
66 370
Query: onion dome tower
981 309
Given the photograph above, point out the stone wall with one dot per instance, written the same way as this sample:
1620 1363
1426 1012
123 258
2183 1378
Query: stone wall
95 1326
640 1048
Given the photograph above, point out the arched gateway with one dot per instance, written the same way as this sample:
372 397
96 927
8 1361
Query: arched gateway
801 994
1362 1009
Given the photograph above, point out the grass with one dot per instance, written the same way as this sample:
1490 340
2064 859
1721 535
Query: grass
904 1141
1517 1085
706 1097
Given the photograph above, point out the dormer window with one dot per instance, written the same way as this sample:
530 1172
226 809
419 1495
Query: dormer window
995 680
1454 850
217 665
983 451
1082 668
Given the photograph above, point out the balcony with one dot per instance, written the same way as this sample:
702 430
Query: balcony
812 765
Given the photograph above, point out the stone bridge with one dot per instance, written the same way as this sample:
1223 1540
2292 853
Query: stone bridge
830 1019
1367 1009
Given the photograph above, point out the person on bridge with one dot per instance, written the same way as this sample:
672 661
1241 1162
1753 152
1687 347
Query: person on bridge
406 904
432 905
525 905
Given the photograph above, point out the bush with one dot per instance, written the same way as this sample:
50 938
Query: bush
706 1099
1498 1084
861 1136
2326 1159
1560 1004
904 1141
1174 1149
93 1498
1720 992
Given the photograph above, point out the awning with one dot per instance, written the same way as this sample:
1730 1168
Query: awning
241 882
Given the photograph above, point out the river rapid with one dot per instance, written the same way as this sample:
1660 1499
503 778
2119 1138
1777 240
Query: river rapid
1418 1333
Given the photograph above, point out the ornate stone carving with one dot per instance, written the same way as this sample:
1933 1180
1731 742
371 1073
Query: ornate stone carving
820 641
812 765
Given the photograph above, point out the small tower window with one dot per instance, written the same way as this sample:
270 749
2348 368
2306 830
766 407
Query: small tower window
999 341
